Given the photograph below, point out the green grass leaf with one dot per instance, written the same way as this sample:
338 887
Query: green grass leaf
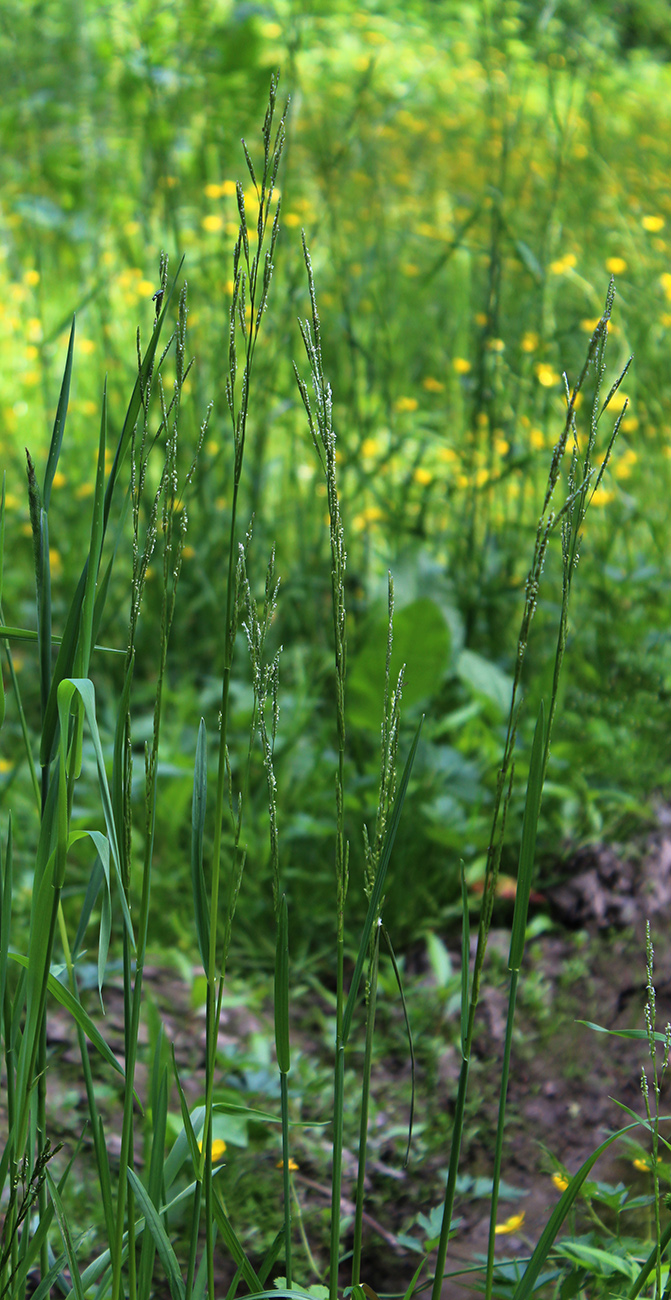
161 1240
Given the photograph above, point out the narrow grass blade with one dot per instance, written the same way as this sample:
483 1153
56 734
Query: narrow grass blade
59 422
189 1132
378 888
67 1239
66 656
411 1045
161 1240
93 888
39 521
200 899
159 1117
29 634
70 1003
85 645
414 1280
48 1281
623 1033
528 846
84 686
526 1285
184 1146
264 1116
233 1244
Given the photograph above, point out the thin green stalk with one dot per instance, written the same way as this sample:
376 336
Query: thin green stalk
336 1183
500 1127
255 279
324 440
286 1173
582 482
365 1100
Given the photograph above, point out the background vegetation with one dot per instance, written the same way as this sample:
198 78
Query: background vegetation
469 177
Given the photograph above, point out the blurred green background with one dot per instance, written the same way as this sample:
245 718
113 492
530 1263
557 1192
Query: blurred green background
468 176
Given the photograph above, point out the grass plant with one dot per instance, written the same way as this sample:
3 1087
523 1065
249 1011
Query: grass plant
139 517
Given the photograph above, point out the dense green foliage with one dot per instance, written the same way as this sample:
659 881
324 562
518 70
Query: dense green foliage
468 177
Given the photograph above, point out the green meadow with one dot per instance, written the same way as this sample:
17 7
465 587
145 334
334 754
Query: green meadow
335 424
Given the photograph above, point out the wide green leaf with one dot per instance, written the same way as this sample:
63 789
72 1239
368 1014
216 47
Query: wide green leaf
421 642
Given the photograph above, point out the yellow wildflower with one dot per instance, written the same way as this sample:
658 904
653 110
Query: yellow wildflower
461 365
370 447
501 446
537 439
529 341
292 1165
422 475
665 281
432 385
642 1165
560 1181
563 264
59 479
616 265
404 404
218 1148
213 191
653 224
212 223
511 1225
495 345
546 375
602 497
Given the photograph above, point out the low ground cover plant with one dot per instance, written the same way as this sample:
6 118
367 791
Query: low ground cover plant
146 488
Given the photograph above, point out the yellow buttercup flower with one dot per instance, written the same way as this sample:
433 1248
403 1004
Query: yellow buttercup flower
653 224
546 375
511 1225
616 265
292 1165
218 1148
560 1181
